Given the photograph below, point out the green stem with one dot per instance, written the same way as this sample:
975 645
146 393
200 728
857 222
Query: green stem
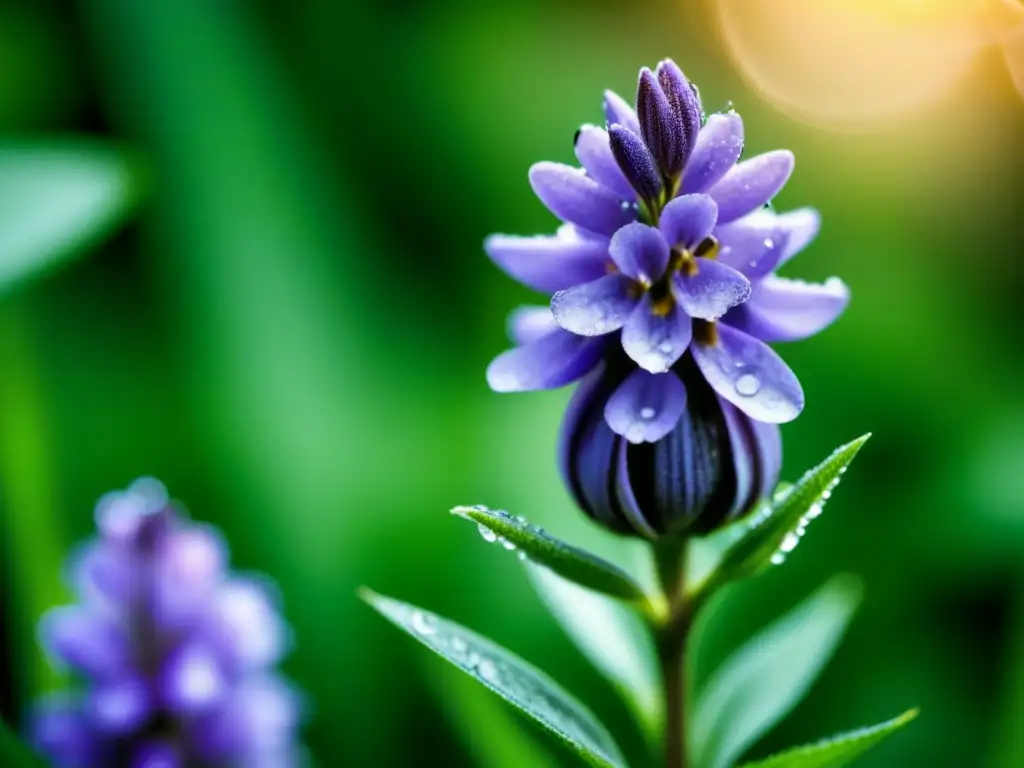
670 637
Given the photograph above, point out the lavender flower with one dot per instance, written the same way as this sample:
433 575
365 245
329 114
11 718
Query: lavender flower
176 653
664 292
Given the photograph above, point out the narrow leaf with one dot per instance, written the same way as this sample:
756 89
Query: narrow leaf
839 750
762 681
777 529
567 561
519 683
614 639
55 199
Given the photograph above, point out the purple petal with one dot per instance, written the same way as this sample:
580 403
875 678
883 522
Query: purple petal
789 310
62 732
660 125
594 151
121 706
549 263
156 754
753 244
712 291
86 640
719 145
655 341
646 406
744 459
192 680
595 308
685 104
244 626
688 220
120 515
528 324
189 564
640 252
751 184
636 163
768 439
579 407
548 363
800 227
750 375
616 110
575 197
628 505
261 715
103 575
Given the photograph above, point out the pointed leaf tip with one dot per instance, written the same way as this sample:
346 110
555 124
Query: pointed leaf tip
518 682
839 750
776 530
569 562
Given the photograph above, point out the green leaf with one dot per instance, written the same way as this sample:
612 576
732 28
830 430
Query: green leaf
614 639
763 680
777 529
567 561
14 753
57 198
519 683
839 750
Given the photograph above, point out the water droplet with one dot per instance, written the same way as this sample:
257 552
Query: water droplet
521 520
665 347
789 543
487 534
635 433
488 671
778 558
769 243
459 645
748 384
507 544
423 624
647 413
521 555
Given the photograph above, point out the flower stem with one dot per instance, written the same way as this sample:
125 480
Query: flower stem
671 636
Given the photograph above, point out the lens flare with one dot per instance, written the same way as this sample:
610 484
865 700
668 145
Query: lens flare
852 63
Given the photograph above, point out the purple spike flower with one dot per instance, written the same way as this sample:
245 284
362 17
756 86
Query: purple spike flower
176 652
664 292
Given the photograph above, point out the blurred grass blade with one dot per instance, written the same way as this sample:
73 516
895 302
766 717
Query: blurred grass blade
567 561
778 528
13 752
516 681
614 639
763 680
839 750
56 199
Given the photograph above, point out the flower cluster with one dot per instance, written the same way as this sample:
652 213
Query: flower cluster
664 293
176 653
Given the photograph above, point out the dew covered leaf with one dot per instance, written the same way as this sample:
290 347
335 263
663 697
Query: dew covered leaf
55 199
776 529
13 752
518 682
570 562
837 751
765 678
612 637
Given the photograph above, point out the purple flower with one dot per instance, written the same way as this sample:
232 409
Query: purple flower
175 653
664 293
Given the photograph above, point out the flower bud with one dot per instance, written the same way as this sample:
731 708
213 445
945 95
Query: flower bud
713 467
636 162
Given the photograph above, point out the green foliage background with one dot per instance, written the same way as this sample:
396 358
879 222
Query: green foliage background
293 329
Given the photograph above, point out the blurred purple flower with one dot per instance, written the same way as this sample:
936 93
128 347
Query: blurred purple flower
176 653
664 294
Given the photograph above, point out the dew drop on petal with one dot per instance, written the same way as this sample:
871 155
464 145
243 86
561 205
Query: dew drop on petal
748 384
665 347
635 433
647 413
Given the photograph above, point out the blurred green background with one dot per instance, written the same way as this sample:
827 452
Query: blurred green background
291 327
